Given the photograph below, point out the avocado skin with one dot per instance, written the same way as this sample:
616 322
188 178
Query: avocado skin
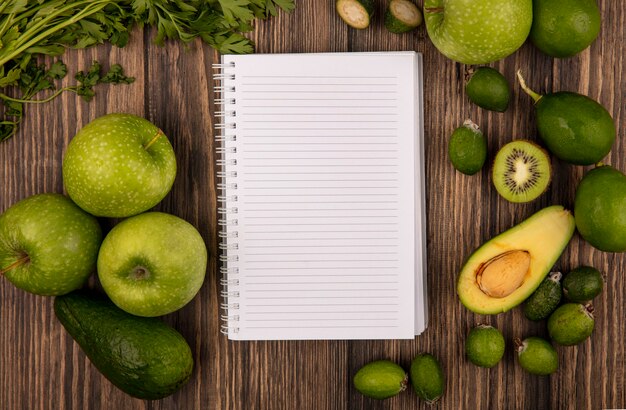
574 127
144 357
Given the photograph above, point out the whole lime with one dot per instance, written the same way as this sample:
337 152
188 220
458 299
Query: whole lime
600 209
563 28
484 346
467 148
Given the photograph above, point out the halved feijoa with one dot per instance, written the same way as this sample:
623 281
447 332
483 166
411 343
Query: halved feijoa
356 13
402 16
521 171
380 379
537 356
545 299
505 270
583 284
488 89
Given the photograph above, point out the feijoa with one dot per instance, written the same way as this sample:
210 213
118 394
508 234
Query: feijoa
427 377
537 356
484 346
467 148
545 299
488 89
583 284
402 16
380 379
574 127
571 323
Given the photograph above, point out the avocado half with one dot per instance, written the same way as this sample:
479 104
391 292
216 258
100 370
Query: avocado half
507 269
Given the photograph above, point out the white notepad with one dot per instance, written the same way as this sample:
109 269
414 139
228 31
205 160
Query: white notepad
322 196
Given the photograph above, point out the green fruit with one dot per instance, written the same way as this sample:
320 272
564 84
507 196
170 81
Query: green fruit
380 379
478 32
521 171
507 269
600 210
574 127
355 13
583 284
488 89
144 357
467 148
571 323
537 356
48 245
402 16
427 377
484 346
118 165
152 264
563 28
545 299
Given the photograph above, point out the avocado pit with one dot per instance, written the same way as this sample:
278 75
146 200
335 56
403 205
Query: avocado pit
503 274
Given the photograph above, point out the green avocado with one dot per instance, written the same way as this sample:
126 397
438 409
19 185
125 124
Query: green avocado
575 128
488 89
583 284
564 28
545 299
142 356
380 379
427 377
600 209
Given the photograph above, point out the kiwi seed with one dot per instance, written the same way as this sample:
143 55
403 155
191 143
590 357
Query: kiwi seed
521 171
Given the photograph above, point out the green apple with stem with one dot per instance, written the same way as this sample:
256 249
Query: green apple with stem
478 31
48 245
152 264
119 165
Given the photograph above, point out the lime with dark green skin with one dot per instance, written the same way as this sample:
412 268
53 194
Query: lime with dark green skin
563 28
574 127
488 89
537 356
583 284
467 148
571 324
484 346
380 379
600 209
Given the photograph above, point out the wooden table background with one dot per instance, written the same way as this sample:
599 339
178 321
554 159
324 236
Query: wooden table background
41 367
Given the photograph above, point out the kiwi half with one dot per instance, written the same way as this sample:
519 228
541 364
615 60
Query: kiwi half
521 171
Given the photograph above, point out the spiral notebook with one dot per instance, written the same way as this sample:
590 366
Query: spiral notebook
321 172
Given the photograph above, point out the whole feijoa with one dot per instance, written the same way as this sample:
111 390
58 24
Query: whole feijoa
380 379
537 356
545 299
484 346
583 284
427 377
599 209
488 89
118 165
571 323
467 148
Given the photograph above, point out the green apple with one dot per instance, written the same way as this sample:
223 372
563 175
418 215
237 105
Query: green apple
152 264
119 165
48 245
478 31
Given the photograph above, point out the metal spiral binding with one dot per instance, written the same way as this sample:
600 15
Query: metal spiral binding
227 210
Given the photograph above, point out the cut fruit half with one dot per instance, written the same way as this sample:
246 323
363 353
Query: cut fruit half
521 171
402 16
356 13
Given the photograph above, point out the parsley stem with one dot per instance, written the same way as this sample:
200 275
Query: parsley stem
52 97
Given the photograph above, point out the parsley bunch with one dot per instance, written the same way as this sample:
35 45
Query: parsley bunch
34 27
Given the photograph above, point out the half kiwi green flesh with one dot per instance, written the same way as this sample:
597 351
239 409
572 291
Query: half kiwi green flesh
521 171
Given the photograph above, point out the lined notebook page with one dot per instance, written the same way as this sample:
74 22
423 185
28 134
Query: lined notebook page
326 155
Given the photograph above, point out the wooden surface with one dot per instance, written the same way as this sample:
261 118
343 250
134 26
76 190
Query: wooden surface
41 367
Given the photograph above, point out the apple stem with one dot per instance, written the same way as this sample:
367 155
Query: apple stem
527 89
433 9
14 265
153 140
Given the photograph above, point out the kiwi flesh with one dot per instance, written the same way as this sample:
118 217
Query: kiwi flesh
521 171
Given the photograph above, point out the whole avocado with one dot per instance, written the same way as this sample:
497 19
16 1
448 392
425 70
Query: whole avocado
600 209
142 356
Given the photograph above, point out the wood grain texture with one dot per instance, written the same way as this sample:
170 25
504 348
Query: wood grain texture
42 368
